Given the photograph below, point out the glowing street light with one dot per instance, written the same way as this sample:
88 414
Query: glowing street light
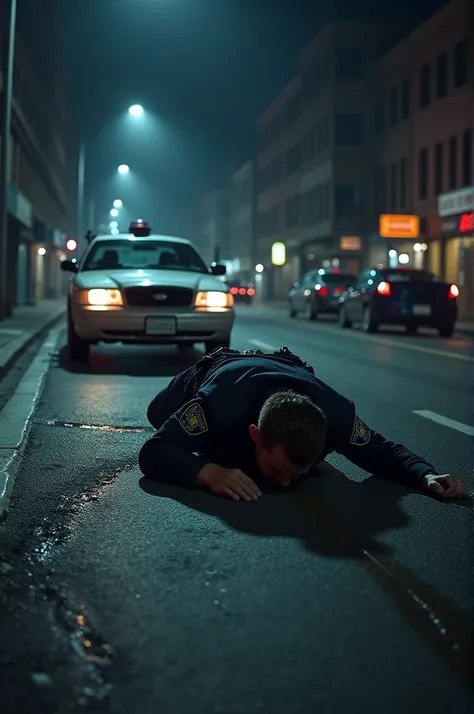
136 110
114 212
123 169
113 224
114 231
118 203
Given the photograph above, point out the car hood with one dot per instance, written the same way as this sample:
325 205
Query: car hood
146 278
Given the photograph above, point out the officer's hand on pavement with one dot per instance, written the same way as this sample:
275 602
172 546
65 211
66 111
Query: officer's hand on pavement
231 483
445 486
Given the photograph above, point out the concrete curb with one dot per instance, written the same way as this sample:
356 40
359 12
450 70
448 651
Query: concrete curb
17 415
15 348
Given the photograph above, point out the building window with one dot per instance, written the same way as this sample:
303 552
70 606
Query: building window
467 152
406 99
293 159
380 190
425 86
326 201
423 174
403 182
442 75
379 115
348 63
348 130
346 200
394 106
393 187
453 163
439 169
293 212
325 135
461 64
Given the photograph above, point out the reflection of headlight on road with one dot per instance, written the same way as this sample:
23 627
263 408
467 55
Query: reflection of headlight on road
214 299
102 297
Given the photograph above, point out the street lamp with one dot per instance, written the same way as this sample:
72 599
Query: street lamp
113 224
118 203
114 212
136 110
123 169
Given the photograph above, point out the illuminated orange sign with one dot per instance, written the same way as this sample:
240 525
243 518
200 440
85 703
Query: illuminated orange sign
399 226
466 222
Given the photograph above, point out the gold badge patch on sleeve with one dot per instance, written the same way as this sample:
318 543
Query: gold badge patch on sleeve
361 433
193 420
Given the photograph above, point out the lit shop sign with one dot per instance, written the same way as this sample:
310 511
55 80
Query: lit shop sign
455 202
399 226
278 254
466 223
350 243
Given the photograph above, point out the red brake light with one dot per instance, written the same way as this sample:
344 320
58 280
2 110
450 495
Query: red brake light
234 291
323 291
242 291
338 291
383 288
453 292
250 291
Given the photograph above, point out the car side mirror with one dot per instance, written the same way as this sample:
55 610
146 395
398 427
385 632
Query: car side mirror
218 269
69 266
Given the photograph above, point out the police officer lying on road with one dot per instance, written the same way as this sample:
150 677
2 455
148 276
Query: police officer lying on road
234 421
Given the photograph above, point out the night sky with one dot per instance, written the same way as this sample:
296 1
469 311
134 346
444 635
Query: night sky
203 70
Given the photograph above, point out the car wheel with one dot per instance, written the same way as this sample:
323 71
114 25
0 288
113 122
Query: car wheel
368 323
343 321
446 330
211 346
291 310
313 311
78 348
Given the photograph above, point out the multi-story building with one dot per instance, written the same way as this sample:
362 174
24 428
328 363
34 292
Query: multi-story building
241 222
40 170
424 121
213 239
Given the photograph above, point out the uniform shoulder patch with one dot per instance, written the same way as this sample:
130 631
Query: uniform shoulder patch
193 420
361 433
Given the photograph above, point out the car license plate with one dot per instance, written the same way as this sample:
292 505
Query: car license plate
160 326
421 309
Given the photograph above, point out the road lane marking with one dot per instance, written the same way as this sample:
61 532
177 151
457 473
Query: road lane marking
384 341
263 345
445 421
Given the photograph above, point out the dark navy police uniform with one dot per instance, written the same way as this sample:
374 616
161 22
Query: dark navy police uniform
205 412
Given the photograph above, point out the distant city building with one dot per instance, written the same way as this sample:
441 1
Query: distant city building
241 222
213 239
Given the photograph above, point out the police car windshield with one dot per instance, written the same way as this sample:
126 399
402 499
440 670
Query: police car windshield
143 254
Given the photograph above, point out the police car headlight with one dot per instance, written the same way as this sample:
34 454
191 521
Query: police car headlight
213 298
101 297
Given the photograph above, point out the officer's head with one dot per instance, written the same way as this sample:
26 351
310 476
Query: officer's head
290 436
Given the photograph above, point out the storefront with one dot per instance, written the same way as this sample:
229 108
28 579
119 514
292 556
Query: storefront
398 243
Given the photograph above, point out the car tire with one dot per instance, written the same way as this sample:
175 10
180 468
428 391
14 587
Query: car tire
78 349
292 311
446 330
313 311
342 318
211 346
368 322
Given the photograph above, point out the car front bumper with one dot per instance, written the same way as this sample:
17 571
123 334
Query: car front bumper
132 325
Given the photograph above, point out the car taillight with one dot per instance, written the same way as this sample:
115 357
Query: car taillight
453 292
338 291
242 291
250 291
234 291
323 291
383 288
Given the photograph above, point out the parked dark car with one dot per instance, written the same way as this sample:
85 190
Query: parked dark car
318 293
243 292
408 297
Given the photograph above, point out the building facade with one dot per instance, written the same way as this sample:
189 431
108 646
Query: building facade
241 222
41 161
213 239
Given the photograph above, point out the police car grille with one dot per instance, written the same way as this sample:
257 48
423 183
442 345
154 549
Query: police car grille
159 296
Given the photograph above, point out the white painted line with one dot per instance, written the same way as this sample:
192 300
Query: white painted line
263 345
16 416
445 421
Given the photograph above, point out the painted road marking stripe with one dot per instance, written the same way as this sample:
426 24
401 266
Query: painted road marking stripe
445 421
263 345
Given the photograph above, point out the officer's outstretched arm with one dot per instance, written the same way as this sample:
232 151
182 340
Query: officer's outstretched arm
170 455
377 455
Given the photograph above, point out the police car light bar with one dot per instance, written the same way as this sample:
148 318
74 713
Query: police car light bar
140 228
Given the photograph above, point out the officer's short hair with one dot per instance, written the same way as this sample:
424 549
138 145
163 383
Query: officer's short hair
296 423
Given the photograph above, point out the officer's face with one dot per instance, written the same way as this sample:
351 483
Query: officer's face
273 463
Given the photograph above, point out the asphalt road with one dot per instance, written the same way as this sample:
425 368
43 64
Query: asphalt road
348 595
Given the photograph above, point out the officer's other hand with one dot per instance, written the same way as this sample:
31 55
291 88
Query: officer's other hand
231 483
445 486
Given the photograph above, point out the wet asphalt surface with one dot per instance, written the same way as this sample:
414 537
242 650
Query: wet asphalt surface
347 595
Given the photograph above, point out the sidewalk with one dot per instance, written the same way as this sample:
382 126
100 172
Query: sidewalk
463 327
27 323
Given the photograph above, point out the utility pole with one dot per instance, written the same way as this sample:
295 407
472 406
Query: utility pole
80 192
5 153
